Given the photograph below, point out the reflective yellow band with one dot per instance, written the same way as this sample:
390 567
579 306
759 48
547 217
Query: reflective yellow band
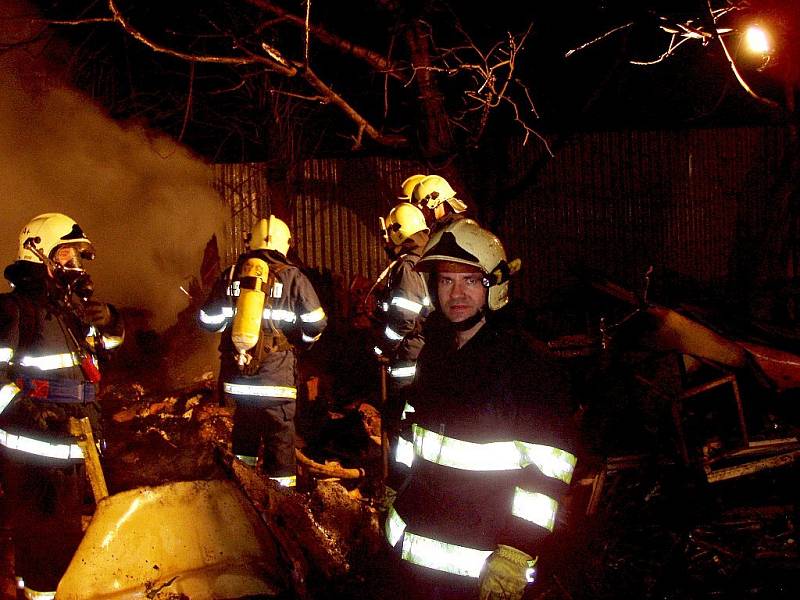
434 554
50 362
111 341
286 481
394 527
492 456
450 558
208 319
33 594
534 507
406 410
271 391
377 350
6 354
401 372
407 304
404 454
308 339
39 447
315 316
392 334
7 393
278 314
248 460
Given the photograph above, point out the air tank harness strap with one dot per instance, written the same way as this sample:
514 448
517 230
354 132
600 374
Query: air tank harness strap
255 283
275 341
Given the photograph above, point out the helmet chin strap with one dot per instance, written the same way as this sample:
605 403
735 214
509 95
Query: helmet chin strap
470 322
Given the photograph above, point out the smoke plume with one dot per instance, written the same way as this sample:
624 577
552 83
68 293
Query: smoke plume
145 202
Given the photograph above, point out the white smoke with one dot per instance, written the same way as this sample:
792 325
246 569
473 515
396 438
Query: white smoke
145 202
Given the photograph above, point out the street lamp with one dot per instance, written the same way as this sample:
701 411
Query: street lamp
757 40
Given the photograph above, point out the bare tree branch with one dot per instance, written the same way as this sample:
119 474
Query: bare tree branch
363 125
598 38
681 32
375 60
275 61
732 64
230 60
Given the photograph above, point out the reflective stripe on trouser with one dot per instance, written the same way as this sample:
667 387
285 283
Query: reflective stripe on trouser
261 391
255 421
432 553
33 594
286 480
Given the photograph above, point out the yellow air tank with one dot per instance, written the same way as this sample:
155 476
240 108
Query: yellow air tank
249 306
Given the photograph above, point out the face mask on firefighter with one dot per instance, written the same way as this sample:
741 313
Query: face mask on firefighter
69 272
71 257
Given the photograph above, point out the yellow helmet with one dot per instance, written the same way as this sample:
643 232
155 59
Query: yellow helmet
465 242
408 186
432 191
47 232
404 220
270 234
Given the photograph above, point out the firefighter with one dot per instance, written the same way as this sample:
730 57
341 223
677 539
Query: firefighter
401 308
490 446
403 300
266 309
437 200
51 335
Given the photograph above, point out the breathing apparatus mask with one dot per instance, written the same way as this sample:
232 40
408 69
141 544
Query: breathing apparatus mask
68 270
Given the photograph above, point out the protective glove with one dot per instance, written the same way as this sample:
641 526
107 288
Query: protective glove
505 574
97 313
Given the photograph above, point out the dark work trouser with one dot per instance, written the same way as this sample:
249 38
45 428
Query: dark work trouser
270 420
43 505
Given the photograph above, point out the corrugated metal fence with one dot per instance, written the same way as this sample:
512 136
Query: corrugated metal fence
620 201
614 201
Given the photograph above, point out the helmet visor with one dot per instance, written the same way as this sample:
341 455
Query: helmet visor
73 256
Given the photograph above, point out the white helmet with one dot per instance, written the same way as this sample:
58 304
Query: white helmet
408 186
404 220
47 232
432 191
467 243
270 234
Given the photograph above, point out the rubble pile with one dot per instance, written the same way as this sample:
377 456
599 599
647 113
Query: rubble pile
327 533
155 439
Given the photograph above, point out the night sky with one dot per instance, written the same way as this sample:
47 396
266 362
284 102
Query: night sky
594 88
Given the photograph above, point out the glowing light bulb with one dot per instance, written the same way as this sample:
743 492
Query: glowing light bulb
757 39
